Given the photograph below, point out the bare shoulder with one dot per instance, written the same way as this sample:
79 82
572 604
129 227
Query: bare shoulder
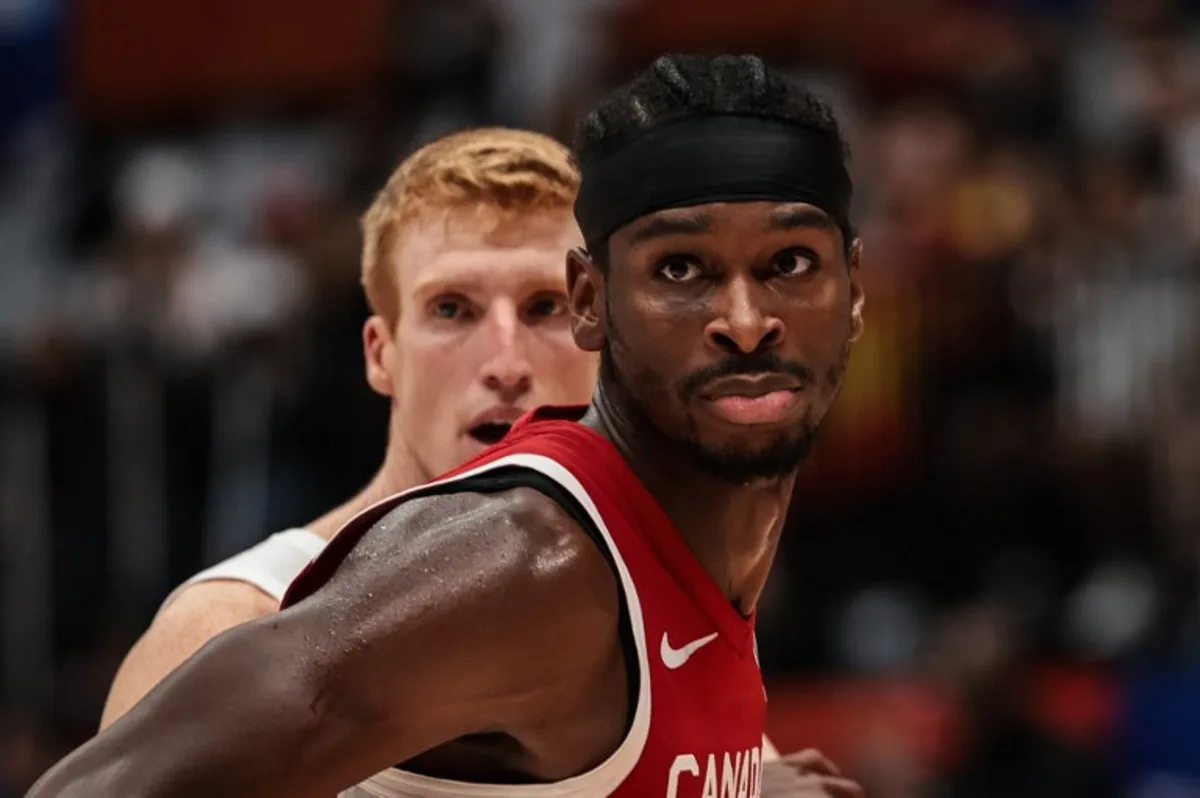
512 550
445 582
517 533
197 614
209 608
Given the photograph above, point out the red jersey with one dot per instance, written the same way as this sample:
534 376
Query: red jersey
698 724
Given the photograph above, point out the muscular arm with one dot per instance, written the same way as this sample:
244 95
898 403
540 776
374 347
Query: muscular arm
381 664
198 614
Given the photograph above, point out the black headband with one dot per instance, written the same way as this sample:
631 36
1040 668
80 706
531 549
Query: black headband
715 158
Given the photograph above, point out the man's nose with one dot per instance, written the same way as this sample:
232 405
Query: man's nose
508 372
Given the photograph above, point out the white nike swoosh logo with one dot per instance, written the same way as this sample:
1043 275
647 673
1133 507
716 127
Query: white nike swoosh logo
675 657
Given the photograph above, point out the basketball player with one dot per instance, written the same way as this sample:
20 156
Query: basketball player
572 612
485 216
463 251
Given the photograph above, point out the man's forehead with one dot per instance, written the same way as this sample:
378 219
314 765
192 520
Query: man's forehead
473 248
696 219
482 225
486 266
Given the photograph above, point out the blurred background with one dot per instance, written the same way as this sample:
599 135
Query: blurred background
991 585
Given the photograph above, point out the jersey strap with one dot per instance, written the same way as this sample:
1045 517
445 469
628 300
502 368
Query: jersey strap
270 566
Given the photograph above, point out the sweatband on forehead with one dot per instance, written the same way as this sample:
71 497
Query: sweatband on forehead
716 158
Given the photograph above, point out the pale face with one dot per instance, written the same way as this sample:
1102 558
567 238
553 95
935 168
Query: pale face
483 334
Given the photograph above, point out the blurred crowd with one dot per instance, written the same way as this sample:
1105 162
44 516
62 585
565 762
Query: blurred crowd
1009 482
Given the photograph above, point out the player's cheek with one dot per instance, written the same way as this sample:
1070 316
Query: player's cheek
563 370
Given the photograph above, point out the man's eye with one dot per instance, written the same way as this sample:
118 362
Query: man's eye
679 270
793 263
546 307
450 309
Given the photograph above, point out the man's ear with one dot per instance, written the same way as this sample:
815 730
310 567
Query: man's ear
378 347
585 296
857 298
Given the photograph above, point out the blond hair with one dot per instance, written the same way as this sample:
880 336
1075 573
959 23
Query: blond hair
506 172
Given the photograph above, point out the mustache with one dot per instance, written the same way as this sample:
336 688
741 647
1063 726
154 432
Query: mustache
753 363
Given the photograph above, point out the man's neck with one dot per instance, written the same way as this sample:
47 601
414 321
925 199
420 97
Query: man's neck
733 530
399 472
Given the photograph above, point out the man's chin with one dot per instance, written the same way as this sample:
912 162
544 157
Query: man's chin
741 462
747 443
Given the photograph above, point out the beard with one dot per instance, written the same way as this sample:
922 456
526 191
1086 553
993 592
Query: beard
743 466
730 463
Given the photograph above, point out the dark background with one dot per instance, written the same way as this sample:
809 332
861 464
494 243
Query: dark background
990 584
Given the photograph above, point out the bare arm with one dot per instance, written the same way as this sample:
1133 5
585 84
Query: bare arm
376 667
198 614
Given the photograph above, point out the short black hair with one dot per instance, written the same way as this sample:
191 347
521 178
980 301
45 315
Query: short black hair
679 86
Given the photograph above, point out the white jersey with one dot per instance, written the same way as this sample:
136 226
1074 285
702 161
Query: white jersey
270 566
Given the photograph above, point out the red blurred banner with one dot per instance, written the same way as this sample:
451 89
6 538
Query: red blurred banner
851 718
150 56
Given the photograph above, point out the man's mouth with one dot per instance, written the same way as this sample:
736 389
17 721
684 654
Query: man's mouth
756 408
754 399
750 385
490 432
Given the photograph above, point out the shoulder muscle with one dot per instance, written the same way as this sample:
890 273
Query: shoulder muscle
446 582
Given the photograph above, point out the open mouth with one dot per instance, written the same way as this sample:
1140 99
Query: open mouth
490 432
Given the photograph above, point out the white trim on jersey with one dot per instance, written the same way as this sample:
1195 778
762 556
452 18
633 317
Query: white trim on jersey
270 566
605 777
